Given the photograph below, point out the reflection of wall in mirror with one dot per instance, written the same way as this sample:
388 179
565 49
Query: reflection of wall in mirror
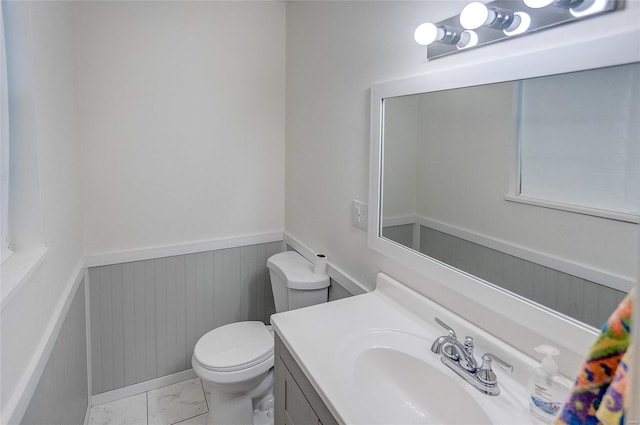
465 155
400 158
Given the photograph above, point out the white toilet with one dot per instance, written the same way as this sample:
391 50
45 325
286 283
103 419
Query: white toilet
236 361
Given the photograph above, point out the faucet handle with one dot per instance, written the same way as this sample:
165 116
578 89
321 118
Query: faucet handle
485 374
447 327
488 357
468 345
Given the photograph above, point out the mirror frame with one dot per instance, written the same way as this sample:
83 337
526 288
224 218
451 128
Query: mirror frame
609 50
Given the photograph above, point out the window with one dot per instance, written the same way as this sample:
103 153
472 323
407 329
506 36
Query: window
580 142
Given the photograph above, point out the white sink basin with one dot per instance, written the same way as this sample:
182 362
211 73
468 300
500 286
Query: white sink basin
369 359
397 372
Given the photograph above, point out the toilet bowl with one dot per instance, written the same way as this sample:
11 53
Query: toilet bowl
235 361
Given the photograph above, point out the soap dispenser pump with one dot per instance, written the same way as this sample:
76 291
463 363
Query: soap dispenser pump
547 393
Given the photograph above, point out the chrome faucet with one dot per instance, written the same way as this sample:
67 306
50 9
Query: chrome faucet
453 349
459 358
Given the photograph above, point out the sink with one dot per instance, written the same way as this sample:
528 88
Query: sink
396 371
369 359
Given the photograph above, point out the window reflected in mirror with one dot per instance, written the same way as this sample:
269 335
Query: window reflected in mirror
566 148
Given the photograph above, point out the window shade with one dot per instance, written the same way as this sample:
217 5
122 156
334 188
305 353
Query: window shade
580 139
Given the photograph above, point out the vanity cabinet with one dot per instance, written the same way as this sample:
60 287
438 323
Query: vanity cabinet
296 401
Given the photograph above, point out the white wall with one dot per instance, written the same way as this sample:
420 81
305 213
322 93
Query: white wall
335 52
182 121
46 191
176 110
401 124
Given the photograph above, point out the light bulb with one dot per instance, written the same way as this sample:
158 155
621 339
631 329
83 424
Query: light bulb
588 7
427 33
537 4
521 23
474 15
467 39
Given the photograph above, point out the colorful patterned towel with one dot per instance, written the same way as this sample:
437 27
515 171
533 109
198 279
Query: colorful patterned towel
598 393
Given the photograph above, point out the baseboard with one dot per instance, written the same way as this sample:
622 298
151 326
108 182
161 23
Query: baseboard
126 256
141 387
87 414
343 279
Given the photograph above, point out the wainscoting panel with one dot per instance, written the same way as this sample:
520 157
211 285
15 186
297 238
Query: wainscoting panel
61 395
403 234
576 297
337 292
146 316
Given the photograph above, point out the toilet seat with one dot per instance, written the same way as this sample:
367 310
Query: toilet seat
236 349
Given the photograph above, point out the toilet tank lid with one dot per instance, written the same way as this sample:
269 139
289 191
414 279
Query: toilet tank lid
294 269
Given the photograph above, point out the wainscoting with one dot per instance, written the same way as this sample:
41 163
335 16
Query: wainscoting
61 396
144 320
146 316
579 298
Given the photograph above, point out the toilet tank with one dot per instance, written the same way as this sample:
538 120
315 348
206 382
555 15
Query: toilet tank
294 283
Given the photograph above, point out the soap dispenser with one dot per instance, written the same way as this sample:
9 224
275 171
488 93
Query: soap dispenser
547 393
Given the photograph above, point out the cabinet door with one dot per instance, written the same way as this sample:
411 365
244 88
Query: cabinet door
297 409
296 401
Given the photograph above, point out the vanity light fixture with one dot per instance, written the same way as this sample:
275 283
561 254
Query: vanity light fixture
538 4
588 7
477 14
485 23
429 33
522 22
468 39
577 8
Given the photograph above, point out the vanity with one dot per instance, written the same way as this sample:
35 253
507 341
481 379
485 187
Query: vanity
367 360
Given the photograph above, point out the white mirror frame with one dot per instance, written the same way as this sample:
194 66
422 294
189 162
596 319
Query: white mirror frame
616 49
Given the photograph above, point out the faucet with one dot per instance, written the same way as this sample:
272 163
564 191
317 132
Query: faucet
456 351
459 357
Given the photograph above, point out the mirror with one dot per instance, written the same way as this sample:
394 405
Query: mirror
527 184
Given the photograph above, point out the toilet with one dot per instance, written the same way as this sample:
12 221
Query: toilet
236 360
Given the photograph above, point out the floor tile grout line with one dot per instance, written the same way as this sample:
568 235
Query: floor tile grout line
186 419
204 393
148 406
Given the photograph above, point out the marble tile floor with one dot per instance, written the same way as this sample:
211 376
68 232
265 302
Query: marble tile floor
184 403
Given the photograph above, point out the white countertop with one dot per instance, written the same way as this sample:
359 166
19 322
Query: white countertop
327 339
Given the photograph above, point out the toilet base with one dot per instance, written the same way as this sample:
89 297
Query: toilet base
242 408
263 414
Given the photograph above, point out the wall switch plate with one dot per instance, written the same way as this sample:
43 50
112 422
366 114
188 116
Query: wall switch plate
359 214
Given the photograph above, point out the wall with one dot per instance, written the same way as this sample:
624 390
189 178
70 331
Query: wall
182 121
176 100
61 396
45 190
146 316
335 52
